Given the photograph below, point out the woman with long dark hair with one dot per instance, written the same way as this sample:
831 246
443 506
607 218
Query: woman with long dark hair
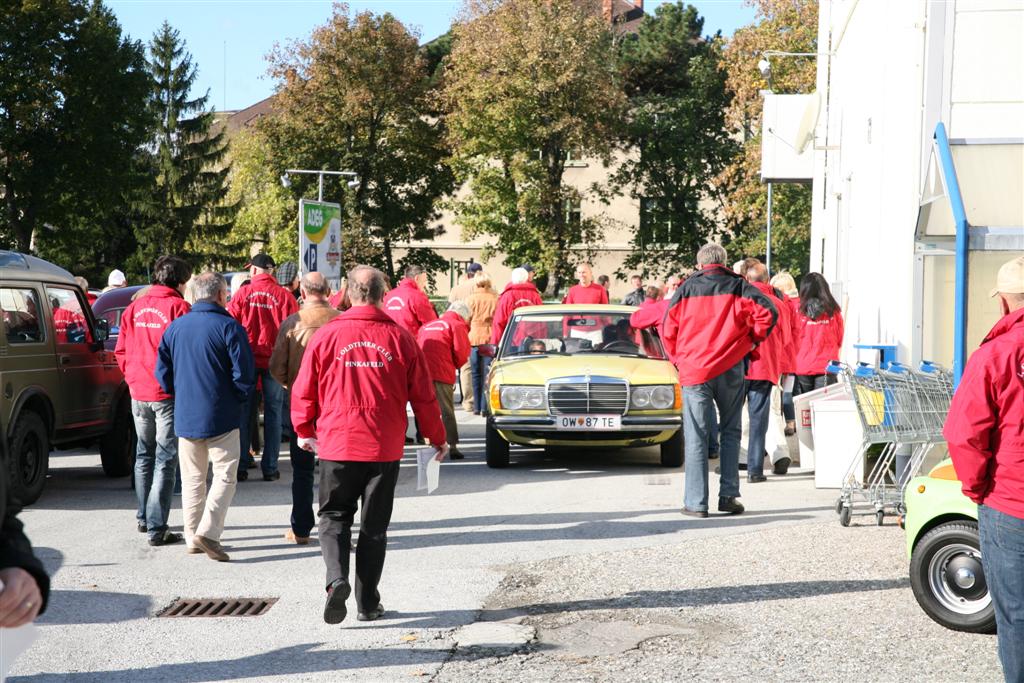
820 330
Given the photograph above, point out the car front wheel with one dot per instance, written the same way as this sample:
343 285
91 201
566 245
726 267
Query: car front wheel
29 457
117 447
672 451
496 447
948 578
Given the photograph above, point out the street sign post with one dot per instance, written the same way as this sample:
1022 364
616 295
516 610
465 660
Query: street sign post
320 239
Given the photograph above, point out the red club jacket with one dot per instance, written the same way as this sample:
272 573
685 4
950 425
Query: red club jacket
445 344
776 353
819 342
650 314
409 306
714 320
261 306
514 296
985 426
591 294
359 371
142 327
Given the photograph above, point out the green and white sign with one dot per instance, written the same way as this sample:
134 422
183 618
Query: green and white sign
320 239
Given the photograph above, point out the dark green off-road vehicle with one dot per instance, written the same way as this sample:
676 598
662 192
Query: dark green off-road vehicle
58 386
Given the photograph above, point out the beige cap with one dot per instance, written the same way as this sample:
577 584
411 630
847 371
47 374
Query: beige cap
1010 279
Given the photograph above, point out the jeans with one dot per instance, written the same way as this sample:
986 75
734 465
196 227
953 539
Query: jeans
788 408
713 433
759 405
479 366
343 485
699 401
1002 551
805 384
156 461
273 397
303 467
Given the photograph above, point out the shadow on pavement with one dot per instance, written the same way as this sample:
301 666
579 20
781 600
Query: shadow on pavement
695 597
289 661
95 607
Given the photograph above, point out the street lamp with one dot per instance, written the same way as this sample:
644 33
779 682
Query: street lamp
286 181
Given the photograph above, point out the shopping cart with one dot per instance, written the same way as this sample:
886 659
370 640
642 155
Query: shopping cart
900 410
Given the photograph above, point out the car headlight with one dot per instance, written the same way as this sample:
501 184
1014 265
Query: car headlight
656 397
523 398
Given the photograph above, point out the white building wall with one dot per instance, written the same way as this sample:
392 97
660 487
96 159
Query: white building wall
867 165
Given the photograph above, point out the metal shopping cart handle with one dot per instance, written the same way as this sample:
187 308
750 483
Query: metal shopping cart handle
834 367
895 367
864 370
930 367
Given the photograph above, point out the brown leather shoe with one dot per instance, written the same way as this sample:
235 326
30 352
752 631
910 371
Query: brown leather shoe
212 548
297 540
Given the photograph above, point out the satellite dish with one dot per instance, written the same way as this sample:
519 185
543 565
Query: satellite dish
808 122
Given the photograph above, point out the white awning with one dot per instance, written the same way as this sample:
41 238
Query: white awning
991 176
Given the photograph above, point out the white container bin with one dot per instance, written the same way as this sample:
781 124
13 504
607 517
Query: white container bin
805 421
837 440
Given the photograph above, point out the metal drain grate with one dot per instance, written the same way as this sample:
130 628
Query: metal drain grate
218 607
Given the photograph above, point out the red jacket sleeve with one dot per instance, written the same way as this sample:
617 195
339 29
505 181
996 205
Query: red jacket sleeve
500 320
422 396
121 350
235 305
968 430
305 397
460 345
424 310
291 306
670 330
763 314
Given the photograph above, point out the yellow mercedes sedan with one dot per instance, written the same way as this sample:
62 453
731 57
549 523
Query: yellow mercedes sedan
582 376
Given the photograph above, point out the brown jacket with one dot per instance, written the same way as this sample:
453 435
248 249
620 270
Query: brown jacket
482 304
294 336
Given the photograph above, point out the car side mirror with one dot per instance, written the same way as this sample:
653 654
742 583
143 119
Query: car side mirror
102 330
487 350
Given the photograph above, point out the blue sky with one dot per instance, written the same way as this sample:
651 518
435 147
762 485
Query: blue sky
229 39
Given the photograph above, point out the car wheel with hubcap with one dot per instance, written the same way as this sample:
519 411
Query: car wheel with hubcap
117 447
29 457
948 578
496 447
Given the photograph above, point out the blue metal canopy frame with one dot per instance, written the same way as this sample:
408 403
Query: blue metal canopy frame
956 203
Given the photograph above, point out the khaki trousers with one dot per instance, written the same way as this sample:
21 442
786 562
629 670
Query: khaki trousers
466 387
204 515
446 399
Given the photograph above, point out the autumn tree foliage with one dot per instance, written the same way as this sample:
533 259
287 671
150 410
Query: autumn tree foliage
357 96
786 26
527 83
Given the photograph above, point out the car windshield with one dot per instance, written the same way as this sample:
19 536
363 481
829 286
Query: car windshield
609 333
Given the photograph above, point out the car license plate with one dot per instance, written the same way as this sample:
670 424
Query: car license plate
600 423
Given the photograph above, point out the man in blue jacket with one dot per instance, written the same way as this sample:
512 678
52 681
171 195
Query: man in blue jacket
206 363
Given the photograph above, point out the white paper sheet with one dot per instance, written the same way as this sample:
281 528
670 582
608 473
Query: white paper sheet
428 470
13 642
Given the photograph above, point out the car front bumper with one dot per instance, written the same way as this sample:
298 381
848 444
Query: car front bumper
540 430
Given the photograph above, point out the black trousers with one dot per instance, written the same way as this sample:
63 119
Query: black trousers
343 485
805 384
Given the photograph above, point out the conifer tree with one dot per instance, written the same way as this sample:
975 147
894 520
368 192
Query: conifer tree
186 214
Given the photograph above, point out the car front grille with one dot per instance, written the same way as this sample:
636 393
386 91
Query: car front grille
600 396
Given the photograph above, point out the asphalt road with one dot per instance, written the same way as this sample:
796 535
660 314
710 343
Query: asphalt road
587 551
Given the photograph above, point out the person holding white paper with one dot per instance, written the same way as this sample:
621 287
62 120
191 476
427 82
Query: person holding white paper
348 406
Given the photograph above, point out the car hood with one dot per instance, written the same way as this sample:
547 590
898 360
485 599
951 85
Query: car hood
537 371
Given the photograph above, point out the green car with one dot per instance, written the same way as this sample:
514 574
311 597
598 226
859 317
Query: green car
946 572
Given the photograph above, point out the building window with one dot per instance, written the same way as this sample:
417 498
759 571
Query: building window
656 228
573 212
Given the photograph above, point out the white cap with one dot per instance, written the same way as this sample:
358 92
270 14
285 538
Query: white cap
1010 279
116 278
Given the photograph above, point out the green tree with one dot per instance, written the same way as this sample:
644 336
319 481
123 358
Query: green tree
266 210
784 25
72 115
528 82
185 212
356 96
677 131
